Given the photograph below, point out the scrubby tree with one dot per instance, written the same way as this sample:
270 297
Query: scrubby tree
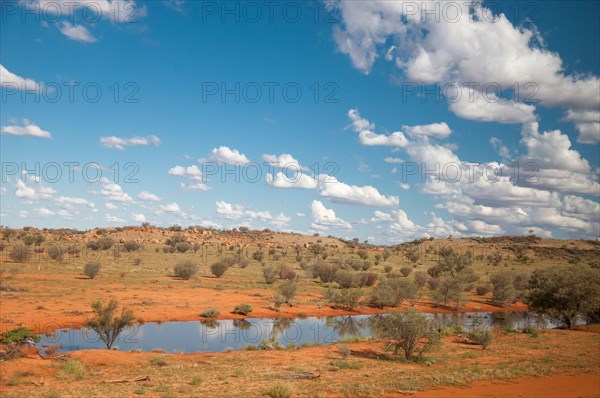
451 262
7 233
55 252
20 254
287 290
420 278
346 279
107 323
175 240
448 290
563 294
503 288
411 331
386 254
344 298
391 292
270 274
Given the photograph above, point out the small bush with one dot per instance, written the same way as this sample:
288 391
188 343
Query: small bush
243 263
346 279
20 254
182 247
242 309
131 246
211 313
93 245
158 361
405 271
482 337
185 269
71 369
287 290
55 253
387 269
420 278
344 351
270 274
326 272
105 243
73 250
482 290
18 335
363 254
286 272
279 390
218 268
91 269
412 332
107 323
366 279
258 255
344 298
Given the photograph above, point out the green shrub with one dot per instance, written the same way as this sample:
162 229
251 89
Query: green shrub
211 313
391 292
563 294
481 336
387 269
18 335
279 390
218 268
107 323
270 274
242 309
158 361
420 278
91 269
346 279
503 288
405 271
71 369
366 279
326 272
363 254
287 290
185 269
411 331
345 298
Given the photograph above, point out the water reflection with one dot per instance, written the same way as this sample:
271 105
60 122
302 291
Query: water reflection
220 335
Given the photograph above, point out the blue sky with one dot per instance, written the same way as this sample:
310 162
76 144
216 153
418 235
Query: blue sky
366 113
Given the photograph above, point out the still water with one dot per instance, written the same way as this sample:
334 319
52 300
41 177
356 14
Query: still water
223 335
